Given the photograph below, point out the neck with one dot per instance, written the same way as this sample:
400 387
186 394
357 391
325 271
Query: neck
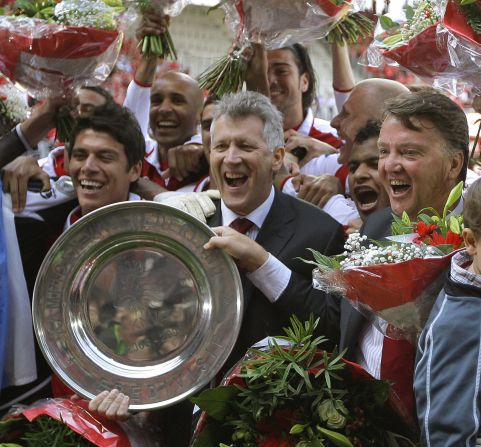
293 119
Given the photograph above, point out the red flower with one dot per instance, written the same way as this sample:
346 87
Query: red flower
282 419
451 238
425 230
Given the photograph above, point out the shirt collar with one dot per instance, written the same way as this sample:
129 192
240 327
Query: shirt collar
459 269
257 217
306 125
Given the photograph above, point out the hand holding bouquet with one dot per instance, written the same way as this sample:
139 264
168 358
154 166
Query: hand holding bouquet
278 23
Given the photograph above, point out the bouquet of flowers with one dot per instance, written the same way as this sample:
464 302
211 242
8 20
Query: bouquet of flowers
63 422
290 392
439 40
13 105
161 46
278 23
51 48
395 281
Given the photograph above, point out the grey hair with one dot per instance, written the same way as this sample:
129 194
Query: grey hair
247 103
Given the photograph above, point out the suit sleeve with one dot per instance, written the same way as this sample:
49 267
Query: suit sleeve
301 299
11 147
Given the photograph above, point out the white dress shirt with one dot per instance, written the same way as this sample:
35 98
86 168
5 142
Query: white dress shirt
272 277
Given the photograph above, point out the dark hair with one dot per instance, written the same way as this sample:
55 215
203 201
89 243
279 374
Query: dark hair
304 65
472 208
120 124
100 91
211 99
370 130
446 116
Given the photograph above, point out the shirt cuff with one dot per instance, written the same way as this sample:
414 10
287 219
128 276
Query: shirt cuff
21 136
271 278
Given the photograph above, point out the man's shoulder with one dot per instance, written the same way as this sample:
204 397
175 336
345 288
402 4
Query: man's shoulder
378 224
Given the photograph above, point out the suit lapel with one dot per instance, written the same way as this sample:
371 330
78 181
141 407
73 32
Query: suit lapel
277 229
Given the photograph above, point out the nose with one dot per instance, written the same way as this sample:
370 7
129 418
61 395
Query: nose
335 122
362 173
90 164
232 155
391 162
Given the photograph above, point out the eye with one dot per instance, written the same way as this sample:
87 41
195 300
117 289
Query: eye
219 147
352 169
383 152
78 154
178 99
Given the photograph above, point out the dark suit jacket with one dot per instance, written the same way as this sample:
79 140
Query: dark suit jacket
291 227
10 147
377 226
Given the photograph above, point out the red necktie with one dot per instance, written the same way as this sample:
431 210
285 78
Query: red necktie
241 225
397 365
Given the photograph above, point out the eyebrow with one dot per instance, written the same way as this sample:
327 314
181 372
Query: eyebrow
402 145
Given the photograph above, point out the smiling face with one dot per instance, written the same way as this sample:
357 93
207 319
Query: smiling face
415 167
175 103
241 163
286 85
99 170
365 186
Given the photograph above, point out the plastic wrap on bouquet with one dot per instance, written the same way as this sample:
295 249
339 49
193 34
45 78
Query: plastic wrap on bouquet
400 294
47 58
446 53
277 23
75 415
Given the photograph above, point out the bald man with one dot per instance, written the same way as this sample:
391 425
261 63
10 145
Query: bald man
317 184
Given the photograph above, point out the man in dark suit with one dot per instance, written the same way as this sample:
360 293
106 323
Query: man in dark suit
246 152
423 153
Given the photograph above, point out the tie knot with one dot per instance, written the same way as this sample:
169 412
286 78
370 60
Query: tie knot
241 225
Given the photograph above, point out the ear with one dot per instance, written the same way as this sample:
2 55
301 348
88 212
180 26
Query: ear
456 164
470 241
304 82
134 171
278 158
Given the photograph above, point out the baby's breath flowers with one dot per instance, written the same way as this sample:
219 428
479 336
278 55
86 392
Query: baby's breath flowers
89 13
13 104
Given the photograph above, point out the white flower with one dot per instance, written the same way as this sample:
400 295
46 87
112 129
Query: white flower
13 103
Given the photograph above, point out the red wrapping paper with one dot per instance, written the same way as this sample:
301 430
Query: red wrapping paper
45 58
428 54
75 415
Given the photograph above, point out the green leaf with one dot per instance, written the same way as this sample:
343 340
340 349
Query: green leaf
453 197
387 23
467 2
216 401
297 429
409 12
336 438
454 225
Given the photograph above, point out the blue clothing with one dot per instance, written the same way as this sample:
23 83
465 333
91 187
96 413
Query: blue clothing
447 374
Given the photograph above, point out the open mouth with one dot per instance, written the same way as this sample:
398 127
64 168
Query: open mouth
235 180
399 187
166 124
91 185
366 197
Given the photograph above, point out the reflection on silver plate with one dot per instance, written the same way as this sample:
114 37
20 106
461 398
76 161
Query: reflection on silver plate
127 298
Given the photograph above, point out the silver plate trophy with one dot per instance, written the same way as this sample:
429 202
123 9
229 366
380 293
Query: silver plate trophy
128 298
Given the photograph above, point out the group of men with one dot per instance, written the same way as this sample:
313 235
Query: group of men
403 151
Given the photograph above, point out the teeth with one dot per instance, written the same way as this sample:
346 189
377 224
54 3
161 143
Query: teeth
398 183
231 175
166 124
90 184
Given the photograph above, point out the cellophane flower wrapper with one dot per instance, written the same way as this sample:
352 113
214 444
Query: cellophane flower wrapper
356 372
396 298
277 23
47 59
446 54
97 430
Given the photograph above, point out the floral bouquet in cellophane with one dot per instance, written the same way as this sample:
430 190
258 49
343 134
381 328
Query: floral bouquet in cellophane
440 41
289 392
278 23
13 104
63 422
396 280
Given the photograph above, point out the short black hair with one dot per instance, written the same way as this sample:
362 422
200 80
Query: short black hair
447 117
370 130
100 91
472 208
304 65
120 124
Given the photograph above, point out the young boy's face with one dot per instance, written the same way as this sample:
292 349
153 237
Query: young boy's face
365 185
473 247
